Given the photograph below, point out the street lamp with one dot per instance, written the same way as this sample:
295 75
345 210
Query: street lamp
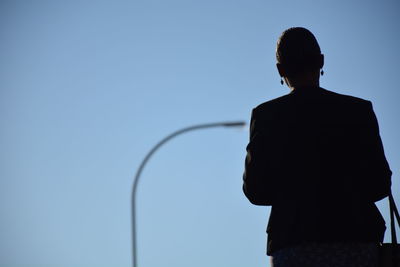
151 152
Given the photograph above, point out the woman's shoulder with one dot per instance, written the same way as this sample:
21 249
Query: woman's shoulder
334 96
273 103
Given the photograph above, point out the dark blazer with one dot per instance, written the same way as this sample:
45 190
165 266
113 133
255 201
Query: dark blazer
316 157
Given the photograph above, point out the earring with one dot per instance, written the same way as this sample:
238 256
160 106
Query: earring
281 81
322 72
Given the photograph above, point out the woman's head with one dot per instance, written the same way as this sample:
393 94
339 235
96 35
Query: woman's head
298 52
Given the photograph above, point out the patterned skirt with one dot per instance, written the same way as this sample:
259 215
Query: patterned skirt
327 255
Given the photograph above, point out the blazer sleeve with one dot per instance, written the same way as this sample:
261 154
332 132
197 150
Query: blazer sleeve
376 174
257 183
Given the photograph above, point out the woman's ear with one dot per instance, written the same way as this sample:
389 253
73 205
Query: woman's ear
321 61
281 69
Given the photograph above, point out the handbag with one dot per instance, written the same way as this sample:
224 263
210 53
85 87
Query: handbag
390 252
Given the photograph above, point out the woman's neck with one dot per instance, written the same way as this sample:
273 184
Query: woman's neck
307 79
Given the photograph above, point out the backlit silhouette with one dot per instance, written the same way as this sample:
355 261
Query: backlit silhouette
316 157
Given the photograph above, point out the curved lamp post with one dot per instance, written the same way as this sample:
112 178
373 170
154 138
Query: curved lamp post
151 152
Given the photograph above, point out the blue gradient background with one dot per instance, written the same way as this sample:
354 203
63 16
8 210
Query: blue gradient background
88 87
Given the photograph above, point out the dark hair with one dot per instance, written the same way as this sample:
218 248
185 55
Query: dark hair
297 50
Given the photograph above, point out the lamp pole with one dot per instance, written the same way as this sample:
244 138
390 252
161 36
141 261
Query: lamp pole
144 161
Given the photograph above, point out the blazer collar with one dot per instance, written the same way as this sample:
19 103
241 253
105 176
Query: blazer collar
306 90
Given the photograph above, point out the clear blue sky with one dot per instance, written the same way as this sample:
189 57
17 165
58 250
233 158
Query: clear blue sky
88 87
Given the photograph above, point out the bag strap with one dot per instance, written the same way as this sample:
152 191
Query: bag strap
393 212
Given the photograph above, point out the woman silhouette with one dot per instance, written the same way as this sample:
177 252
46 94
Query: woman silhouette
316 157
